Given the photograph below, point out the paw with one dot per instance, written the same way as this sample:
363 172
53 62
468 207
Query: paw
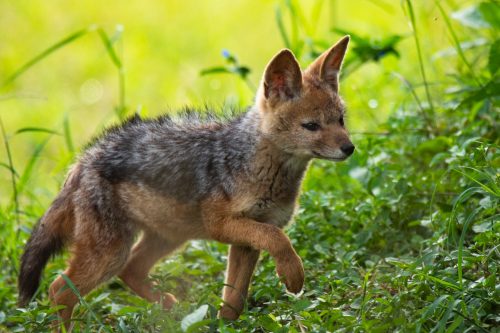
167 300
291 271
228 312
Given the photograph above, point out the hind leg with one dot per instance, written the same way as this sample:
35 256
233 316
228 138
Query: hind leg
95 259
148 250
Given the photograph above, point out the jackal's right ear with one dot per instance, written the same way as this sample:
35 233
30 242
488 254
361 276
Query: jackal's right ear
282 78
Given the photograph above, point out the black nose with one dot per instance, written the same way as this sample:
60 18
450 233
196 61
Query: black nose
347 149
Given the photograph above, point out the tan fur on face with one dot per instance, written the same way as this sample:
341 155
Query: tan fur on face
315 100
282 122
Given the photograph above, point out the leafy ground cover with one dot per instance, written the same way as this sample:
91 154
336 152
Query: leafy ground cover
403 237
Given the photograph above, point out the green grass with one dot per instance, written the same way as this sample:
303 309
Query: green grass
402 237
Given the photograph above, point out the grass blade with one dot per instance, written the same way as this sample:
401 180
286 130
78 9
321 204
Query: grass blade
451 221
23 179
466 225
36 129
45 53
108 43
441 325
458 47
294 34
410 87
281 28
494 191
411 13
74 289
67 134
28 170
15 194
315 15
441 282
430 310
8 167
109 47
471 320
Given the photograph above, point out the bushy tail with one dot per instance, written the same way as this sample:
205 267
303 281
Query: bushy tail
47 239
40 247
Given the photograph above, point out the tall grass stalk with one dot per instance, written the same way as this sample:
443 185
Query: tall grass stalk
30 166
51 49
413 22
281 28
67 134
15 197
466 225
411 89
108 43
298 22
457 42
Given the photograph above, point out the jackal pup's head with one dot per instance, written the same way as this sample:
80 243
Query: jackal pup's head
302 112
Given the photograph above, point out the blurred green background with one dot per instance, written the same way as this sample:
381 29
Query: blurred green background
164 45
402 237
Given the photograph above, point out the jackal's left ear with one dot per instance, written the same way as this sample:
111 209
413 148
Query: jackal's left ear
327 66
282 78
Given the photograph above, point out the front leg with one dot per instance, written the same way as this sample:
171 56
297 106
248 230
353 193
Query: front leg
222 226
240 268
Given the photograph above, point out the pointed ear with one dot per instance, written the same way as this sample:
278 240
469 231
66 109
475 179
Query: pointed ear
327 66
282 78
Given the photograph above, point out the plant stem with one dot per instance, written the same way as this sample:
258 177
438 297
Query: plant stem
45 53
420 61
12 172
457 43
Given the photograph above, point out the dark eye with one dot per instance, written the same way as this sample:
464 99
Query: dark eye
341 121
311 126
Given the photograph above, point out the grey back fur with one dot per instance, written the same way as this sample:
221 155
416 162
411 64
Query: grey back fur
184 156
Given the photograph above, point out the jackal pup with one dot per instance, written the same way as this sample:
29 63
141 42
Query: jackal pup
194 177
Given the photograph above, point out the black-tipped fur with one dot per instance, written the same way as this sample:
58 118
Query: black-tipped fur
40 247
